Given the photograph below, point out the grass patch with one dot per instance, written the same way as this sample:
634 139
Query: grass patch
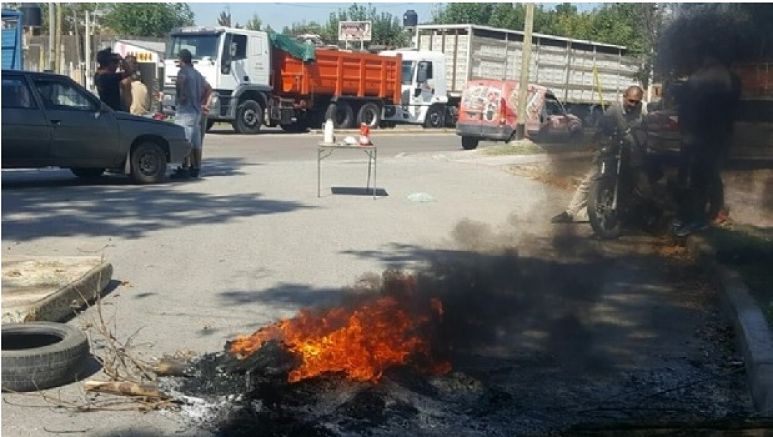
514 148
749 250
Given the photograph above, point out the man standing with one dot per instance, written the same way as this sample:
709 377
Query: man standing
706 116
193 93
618 120
109 81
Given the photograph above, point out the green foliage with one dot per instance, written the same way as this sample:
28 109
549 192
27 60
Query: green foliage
254 23
147 19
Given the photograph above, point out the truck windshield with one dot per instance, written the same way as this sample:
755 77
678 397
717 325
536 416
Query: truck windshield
200 46
408 72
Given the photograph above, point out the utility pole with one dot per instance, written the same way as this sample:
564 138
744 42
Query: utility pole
51 32
523 83
87 50
58 48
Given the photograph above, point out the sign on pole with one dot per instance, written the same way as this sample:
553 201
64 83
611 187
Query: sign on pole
354 30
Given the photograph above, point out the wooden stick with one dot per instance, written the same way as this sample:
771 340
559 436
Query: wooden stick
124 388
171 367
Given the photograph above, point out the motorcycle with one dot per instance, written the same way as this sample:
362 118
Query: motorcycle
614 200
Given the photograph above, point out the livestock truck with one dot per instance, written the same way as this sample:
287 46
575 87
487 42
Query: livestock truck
261 79
583 74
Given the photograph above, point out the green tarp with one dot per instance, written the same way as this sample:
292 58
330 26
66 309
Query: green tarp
298 50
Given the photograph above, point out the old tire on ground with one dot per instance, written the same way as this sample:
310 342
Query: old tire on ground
370 114
148 163
342 115
249 117
39 355
87 173
603 218
436 117
469 143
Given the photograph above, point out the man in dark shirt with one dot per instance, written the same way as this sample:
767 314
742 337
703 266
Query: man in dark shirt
108 80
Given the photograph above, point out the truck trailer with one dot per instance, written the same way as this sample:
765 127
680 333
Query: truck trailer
581 73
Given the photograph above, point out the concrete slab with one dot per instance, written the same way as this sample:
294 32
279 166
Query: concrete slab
49 287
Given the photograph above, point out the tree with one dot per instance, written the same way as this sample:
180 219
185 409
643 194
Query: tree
465 13
147 19
303 28
254 23
225 18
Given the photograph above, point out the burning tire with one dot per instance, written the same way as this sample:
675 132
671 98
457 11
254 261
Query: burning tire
39 355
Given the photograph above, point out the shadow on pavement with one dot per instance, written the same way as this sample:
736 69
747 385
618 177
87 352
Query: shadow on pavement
34 209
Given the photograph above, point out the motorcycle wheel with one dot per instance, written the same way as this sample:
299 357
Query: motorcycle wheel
604 219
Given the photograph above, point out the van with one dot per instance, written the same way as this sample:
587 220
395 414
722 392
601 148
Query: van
488 111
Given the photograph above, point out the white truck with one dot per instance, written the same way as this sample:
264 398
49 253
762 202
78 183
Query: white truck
583 74
236 63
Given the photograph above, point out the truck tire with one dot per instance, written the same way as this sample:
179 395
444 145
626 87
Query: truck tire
470 143
342 115
249 117
436 117
370 114
40 355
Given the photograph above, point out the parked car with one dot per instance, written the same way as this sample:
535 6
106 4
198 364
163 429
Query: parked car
488 111
49 120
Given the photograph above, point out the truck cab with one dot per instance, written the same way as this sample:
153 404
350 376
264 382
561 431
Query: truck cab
235 62
424 89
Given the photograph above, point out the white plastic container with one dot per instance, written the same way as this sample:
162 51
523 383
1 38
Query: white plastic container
329 137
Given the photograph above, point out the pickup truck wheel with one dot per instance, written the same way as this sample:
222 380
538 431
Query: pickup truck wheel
342 115
469 143
87 173
436 117
370 114
249 116
148 163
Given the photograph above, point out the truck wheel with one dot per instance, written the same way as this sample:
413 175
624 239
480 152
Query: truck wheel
148 163
249 116
436 117
469 143
341 113
370 114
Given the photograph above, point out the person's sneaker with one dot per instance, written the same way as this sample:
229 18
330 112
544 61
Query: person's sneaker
195 172
689 228
564 217
180 173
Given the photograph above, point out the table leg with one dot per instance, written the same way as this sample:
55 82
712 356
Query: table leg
367 182
319 168
375 170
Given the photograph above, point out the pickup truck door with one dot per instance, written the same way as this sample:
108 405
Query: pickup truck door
26 132
83 133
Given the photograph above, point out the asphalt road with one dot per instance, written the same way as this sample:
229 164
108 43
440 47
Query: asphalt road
198 262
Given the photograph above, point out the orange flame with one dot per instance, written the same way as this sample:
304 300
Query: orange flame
361 342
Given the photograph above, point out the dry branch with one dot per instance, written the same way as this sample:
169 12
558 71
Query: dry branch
124 388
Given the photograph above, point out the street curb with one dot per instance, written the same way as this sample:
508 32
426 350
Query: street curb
60 305
753 335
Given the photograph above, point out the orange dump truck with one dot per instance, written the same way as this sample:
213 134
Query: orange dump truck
348 87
